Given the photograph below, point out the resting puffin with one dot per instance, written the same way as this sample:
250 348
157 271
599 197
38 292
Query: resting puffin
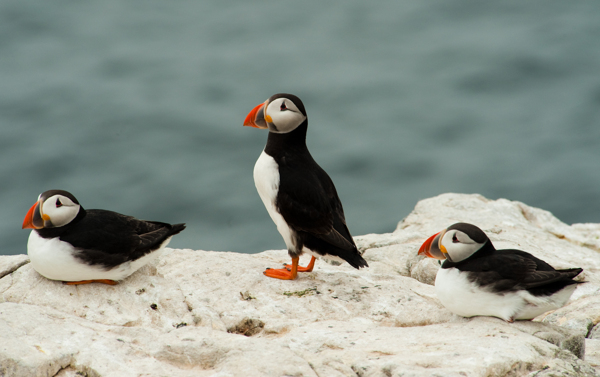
77 246
298 194
478 280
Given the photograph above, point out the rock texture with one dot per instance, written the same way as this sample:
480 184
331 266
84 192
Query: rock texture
205 313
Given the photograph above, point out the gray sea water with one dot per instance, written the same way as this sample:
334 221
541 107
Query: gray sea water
137 107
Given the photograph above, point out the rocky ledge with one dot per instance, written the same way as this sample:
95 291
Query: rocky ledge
206 313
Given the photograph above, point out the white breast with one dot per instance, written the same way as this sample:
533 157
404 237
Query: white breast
54 259
467 299
266 179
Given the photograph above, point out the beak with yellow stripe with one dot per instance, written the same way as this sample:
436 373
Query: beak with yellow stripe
256 118
432 248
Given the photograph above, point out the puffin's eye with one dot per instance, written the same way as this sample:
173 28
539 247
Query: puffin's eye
283 106
454 239
58 203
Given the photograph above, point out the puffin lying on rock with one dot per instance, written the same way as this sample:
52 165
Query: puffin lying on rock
477 280
77 246
298 194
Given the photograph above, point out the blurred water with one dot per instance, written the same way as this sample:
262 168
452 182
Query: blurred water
137 107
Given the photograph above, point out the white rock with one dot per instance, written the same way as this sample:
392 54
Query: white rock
172 318
592 352
10 263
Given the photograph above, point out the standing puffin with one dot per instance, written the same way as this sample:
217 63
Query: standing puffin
478 280
77 246
299 196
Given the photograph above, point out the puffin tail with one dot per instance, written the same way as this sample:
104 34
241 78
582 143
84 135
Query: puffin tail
570 273
355 260
175 229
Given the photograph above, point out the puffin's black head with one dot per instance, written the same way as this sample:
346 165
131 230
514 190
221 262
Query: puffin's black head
54 208
455 243
281 113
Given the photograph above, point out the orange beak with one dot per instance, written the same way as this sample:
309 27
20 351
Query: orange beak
256 117
33 219
431 247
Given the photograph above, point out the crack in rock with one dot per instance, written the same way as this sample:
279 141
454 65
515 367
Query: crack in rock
12 263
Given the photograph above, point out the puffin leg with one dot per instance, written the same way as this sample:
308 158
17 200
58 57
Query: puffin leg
308 268
284 273
103 281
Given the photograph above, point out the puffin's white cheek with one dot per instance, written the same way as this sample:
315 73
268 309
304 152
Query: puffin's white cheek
286 121
61 216
461 251
454 252
47 211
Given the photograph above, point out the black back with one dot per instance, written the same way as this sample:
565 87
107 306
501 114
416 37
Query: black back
109 239
307 198
512 270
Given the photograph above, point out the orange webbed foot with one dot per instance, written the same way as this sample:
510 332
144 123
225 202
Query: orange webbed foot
103 281
281 273
308 268
284 273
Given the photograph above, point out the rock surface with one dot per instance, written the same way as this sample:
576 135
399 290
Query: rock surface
204 313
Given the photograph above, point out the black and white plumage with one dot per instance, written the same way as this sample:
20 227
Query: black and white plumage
299 196
71 244
477 280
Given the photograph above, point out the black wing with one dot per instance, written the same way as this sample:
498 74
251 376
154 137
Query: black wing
308 201
508 270
109 238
